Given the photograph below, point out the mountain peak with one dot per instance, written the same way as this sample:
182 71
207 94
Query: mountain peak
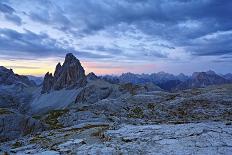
69 58
70 74
210 72
8 77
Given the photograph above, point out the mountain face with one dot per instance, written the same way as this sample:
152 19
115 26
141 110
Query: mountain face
182 77
170 82
8 77
134 78
36 79
156 78
111 79
202 79
92 76
70 74
15 90
169 85
228 76
164 80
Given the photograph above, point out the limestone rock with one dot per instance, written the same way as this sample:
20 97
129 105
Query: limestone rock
202 79
92 76
48 82
94 92
8 77
70 74
14 125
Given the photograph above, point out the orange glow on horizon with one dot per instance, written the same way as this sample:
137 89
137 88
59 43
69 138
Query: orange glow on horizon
41 67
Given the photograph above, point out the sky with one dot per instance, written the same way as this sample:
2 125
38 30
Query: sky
116 36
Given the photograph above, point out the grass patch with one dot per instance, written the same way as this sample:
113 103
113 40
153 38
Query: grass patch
136 113
39 139
52 118
16 145
38 117
4 111
151 106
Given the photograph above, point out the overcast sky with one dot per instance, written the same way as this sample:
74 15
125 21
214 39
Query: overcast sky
115 36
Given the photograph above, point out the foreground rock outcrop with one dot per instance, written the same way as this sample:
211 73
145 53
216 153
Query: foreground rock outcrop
15 90
13 125
97 138
69 75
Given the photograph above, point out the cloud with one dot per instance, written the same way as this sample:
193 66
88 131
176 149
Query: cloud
38 45
218 43
103 49
9 14
179 21
132 30
6 9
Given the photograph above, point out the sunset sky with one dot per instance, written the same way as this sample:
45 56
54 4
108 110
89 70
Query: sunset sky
116 36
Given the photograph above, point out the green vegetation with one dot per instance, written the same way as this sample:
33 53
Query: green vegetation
16 145
52 118
40 140
38 117
136 113
4 111
151 106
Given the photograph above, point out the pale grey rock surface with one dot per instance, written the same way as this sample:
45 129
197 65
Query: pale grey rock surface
192 138
61 99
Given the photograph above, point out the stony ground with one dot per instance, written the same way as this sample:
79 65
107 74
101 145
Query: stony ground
197 121
97 138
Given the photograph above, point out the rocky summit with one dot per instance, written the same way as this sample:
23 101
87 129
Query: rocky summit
79 114
8 77
70 74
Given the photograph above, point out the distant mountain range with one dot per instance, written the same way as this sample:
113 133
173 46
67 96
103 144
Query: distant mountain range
172 82
165 81
37 79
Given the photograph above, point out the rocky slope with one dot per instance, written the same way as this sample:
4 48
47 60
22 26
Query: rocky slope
15 90
196 121
8 77
15 96
14 124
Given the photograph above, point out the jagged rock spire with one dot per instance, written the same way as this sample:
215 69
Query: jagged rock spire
70 74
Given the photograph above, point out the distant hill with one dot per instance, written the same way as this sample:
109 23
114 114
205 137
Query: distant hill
170 82
38 80
8 77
